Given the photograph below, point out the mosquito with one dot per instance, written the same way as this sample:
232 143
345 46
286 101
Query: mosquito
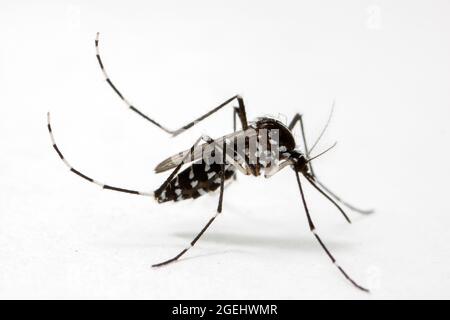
262 147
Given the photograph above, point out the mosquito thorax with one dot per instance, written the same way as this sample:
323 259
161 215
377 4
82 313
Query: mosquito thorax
274 144
284 135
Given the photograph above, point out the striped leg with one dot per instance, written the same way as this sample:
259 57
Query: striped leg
235 113
240 110
82 175
345 203
311 181
313 230
219 210
164 185
299 119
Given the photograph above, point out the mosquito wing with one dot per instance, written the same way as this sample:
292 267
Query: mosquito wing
200 151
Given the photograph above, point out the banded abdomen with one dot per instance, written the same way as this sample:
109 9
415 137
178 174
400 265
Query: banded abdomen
196 180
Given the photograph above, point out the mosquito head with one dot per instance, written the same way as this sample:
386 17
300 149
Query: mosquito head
299 162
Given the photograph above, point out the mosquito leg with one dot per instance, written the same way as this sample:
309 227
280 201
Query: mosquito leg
219 210
298 118
108 79
345 203
313 230
164 185
235 112
82 175
329 198
241 112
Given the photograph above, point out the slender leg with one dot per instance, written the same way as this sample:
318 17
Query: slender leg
241 109
235 113
345 203
313 230
82 175
311 181
298 118
284 164
177 168
219 210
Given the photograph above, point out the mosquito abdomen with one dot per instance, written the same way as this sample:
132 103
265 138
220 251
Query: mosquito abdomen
194 181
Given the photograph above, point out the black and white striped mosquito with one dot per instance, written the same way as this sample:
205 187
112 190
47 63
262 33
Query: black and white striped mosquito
263 146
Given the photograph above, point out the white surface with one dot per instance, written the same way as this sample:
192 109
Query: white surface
387 64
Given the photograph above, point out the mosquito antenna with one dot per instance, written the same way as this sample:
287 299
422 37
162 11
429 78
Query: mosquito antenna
324 128
322 153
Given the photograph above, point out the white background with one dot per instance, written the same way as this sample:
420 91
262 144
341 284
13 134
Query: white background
387 65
